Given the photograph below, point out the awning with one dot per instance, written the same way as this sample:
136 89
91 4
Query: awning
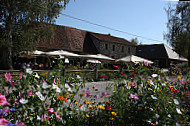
133 59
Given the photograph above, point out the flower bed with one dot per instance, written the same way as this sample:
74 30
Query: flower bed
143 97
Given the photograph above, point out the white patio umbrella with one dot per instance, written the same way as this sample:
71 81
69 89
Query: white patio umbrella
62 53
98 56
133 59
31 54
93 61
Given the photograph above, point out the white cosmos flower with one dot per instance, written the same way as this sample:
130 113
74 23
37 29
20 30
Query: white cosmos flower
36 75
45 85
154 75
83 108
157 116
68 87
38 117
176 101
169 115
23 101
153 97
58 90
178 111
40 96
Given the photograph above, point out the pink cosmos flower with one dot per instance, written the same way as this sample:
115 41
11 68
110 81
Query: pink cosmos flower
134 96
3 122
133 76
95 87
16 101
116 66
29 92
122 73
20 124
50 110
21 95
56 81
45 116
145 63
20 75
57 116
188 94
8 76
3 100
13 82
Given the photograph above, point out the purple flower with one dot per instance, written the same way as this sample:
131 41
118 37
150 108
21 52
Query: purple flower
134 96
96 96
87 93
12 109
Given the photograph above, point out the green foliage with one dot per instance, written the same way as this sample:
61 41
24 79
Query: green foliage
179 27
143 97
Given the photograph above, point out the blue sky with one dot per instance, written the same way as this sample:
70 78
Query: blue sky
145 18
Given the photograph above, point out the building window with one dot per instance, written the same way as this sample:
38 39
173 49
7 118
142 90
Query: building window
129 50
113 47
122 49
106 46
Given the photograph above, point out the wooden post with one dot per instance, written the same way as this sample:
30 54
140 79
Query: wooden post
96 72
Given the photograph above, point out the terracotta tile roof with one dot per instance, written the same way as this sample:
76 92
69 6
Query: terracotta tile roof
109 38
65 38
72 39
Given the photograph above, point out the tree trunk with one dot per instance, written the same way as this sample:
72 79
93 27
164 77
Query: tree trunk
189 56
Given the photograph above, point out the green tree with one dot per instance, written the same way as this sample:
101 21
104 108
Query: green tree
135 41
23 24
178 34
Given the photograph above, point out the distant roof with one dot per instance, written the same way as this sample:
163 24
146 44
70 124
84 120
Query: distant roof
110 38
158 51
72 39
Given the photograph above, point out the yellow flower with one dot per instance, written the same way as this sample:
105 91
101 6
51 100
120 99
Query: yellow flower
114 91
101 107
179 77
113 113
152 124
111 118
28 117
149 89
76 103
87 116
87 103
90 107
182 110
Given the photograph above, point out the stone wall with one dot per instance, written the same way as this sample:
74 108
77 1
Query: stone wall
116 50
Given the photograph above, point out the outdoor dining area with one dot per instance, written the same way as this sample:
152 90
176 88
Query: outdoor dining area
40 60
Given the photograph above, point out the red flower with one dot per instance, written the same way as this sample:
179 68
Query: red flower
110 108
116 66
101 76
